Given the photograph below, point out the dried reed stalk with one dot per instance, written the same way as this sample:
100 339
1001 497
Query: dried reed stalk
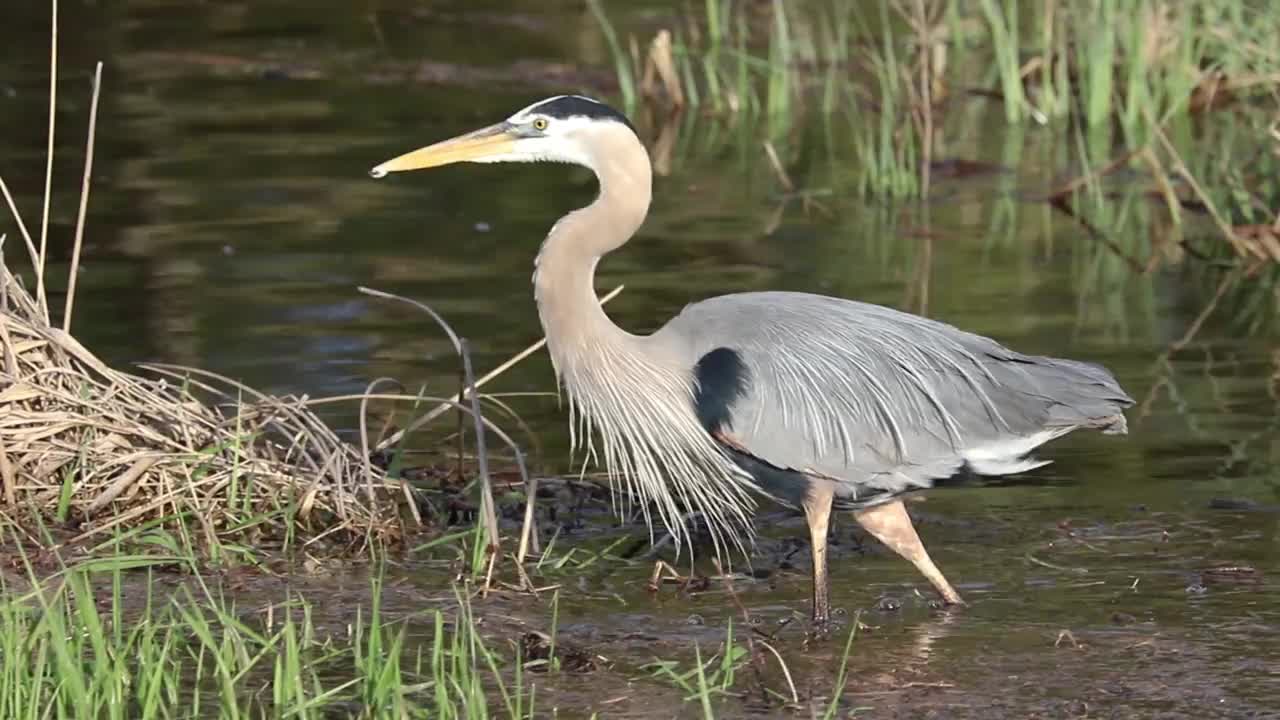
135 449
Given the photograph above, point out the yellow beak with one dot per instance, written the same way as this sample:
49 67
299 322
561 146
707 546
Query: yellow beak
486 142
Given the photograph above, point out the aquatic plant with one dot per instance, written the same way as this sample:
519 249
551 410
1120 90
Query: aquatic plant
1106 88
882 75
73 651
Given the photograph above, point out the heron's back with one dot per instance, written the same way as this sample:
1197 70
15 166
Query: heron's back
881 400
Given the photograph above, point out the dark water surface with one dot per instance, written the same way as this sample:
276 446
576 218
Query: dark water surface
232 220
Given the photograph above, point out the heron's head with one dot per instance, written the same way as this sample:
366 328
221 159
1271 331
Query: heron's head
565 128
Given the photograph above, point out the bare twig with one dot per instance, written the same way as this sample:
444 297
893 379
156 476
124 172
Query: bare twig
1242 248
10 359
364 432
124 482
7 476
528 527
1060 204
84 199
32 252
926 83
786 672
48 172
461 430
487 507
662 62
757 665
452 404
444 406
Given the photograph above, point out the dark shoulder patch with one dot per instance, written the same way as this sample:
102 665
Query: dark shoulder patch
721 378
568 106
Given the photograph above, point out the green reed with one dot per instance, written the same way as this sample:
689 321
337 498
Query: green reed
854 65
72 650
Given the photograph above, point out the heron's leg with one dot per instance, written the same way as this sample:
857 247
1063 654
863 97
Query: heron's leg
817 510
892 526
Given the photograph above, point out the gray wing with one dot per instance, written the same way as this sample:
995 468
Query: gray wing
879 399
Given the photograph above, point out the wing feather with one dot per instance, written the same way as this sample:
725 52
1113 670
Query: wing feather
883 399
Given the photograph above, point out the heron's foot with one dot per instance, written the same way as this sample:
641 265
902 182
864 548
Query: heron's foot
829 623
820 621
945 603
819 630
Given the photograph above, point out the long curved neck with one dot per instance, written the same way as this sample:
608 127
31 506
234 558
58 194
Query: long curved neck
564 279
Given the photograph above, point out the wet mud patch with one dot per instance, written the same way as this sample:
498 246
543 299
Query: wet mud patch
1097 614
1166 614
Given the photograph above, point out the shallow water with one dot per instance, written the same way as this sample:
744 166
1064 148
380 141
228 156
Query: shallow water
232 220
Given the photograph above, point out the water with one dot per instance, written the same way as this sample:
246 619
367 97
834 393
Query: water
232 220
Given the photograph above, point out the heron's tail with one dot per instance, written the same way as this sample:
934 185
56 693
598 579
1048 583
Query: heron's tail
1085 395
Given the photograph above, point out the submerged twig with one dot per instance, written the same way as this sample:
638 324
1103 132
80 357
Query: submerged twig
1051 566
1061 205
1227 281
1092 175
778 170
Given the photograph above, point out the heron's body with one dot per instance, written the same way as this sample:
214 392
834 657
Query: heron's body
814 401
879 401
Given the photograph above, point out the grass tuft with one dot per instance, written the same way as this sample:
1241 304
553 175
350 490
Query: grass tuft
74 649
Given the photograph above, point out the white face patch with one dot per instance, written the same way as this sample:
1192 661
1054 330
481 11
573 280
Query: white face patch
565 139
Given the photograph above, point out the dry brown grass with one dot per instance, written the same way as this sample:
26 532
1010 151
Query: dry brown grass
86 445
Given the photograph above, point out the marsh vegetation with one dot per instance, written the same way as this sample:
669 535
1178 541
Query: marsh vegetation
237 483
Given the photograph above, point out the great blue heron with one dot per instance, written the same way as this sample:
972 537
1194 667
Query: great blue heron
813 401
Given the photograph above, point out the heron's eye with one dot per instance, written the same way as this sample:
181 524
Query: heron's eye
540 124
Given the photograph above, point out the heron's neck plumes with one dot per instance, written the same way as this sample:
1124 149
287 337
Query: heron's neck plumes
631 392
